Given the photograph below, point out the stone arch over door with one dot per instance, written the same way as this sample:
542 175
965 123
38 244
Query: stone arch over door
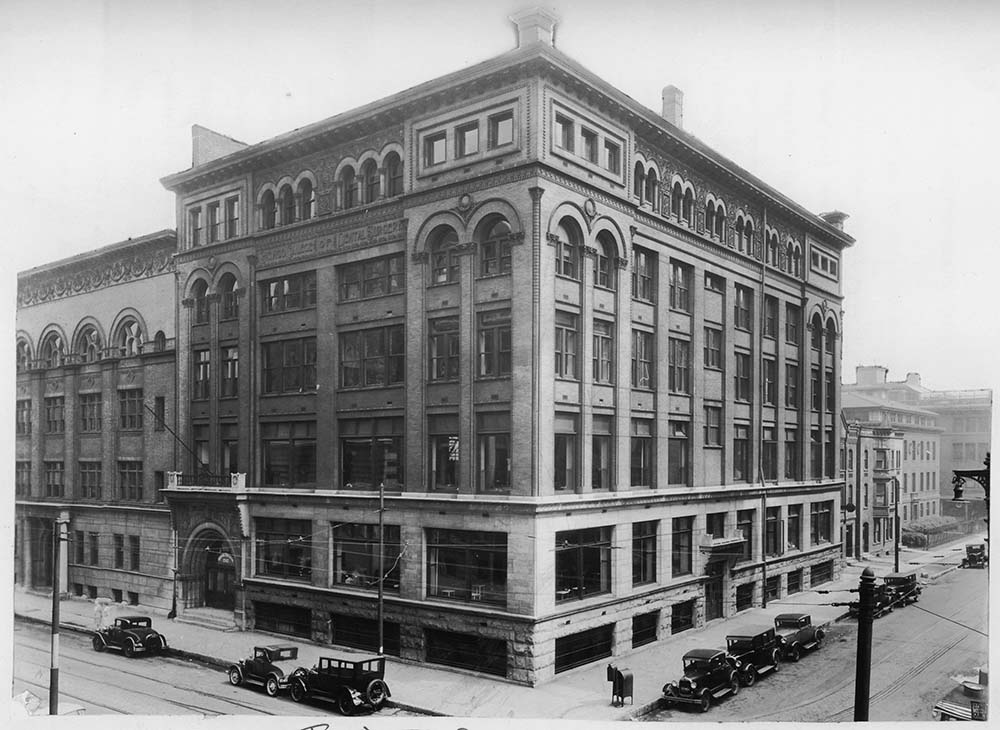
210 566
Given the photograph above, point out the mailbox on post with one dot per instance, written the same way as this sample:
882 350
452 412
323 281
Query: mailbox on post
621 685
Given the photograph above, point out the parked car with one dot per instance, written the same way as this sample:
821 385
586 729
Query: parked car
753 652
904 587
263 667
131 635
884 601
796 634
966 701
975 556
351 682
708 676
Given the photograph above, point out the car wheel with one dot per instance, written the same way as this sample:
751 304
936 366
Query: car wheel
794 653
344 702
98 643
776 659
376 692
734 685
129 649
271 686
704 701
297 690
749 676
235 676
154 645
819 637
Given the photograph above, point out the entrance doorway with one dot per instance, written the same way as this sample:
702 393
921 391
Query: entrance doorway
864 538
849 541
220 576
713 591
41 552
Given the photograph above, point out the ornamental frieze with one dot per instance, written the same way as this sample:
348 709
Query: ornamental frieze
295 246
95 277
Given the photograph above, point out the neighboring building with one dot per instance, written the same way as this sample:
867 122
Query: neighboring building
966 417
561 331
95 399
872 461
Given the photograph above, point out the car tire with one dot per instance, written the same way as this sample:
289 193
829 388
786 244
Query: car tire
235 676
376 692
749 677
271 686
776 659
98 643
154 645
704 700
344 702
297 690
734 685
794 653
128 648
820 634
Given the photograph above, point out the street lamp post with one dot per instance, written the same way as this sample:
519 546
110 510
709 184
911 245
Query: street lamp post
895 520
981 477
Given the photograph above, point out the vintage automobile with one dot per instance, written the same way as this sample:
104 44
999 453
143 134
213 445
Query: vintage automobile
351 682
753 652
796 634
263 666
975 556
904 587
966 701
885 600
708 676
131 635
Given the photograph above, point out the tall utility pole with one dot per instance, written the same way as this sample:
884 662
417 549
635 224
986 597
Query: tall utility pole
57 540
862 680
895 498
381 566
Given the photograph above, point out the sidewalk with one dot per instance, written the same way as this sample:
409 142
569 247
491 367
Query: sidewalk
580 694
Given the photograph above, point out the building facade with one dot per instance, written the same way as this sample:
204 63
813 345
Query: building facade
95 403
873 503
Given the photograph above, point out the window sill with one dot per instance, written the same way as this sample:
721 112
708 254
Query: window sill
368 388
488 378
301 391
481 276
676 310
371 297
716 447
565 277
294 310
651 302
439 284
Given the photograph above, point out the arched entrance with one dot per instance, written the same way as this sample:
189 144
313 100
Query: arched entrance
211 572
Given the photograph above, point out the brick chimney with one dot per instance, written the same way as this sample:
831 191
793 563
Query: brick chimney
913 379
535 25
835 218
673 105
870 374
207 145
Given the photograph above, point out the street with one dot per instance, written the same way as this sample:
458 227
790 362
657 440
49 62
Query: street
916 658
109 683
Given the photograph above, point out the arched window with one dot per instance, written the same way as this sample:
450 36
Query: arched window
651 192
129 340
771 249
349 185
710 218
568 249
796 263
159 341
676 199
286 203
89 344
444 261
748 237
816 333
267 210
494 246
53 351
307 200
639 181
720 222
688 212
604 261
23 356
739 232
230 308
831 336
199 293
369 176
393 174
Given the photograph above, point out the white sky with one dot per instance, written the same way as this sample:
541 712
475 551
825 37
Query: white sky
885 110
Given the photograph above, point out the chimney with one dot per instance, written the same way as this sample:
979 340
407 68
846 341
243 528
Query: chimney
870 374
913 379
673 106
535 25
835 218
207 145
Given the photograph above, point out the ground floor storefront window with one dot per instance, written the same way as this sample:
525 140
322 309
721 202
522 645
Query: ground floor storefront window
584 647
359 632
463 565
467 651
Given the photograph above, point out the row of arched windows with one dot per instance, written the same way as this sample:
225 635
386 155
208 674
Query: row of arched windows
288 205
228 299
88 346
493 238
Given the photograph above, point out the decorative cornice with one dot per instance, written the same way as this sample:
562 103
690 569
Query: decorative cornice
621 262
590 252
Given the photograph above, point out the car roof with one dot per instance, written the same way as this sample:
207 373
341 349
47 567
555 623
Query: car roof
135 618
790 616
703 653
277 647
750 632
350 657
901 574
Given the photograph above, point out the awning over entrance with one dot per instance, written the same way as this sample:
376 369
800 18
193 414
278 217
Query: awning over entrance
722 548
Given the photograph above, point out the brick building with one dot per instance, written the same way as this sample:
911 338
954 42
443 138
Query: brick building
873 459
94 401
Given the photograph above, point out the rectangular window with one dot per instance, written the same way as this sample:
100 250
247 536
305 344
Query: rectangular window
743 309
741 453
494 255
93 544
434 149
644 628
130 480
829 454
678 469
682 616
289 452
816 393
583 563
356 556
494 343
22 479
793 324
770 372
564 135
79 548
682 546
444 451
372 357
604 351
612 157
791 453
289 366
467 140
816 454
791 386
772 532
289 293
679 364
55 414
159 413
371 278
644 552
680 286
565 451
283 548
194 226
744 523
713 348
744 596
820 522
715 283
444 348
830 393
91 478
371 453
769 455
54 479
91 412
118 550
202 375
770 317
500 129
643 274
232 217
589 139
642 453
214 223
23 418
493 451
602 452
643 373
566 345
741 380
229 383
465 565
713 425
159 483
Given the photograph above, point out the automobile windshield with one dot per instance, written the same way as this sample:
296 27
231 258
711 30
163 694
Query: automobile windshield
696 665
141 623
788 624
285 654
740 645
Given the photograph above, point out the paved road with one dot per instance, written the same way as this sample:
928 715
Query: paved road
916 656
109 683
